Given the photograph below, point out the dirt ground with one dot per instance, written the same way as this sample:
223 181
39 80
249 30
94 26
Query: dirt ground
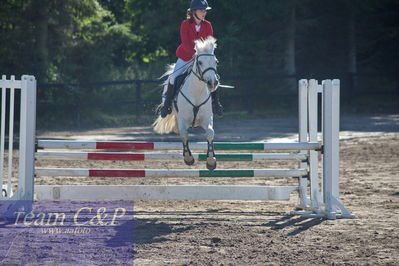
257 232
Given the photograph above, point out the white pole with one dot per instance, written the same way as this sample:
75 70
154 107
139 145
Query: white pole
303 137
3 128
335 136
313 155
10 137
331 145
158 192
321 91
27 136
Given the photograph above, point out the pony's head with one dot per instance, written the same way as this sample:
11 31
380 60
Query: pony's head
205 63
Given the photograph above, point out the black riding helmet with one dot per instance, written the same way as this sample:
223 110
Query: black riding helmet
199 5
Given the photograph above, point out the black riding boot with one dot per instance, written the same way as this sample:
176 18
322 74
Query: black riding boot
167 105
217 108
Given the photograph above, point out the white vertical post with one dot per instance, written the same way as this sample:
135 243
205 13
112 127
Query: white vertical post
11 137
303 137
27 136
331 145
2 133
335 136
321 91
313 155
303 110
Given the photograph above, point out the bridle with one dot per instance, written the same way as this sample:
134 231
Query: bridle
201 74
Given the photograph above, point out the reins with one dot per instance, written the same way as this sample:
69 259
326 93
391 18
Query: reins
200 76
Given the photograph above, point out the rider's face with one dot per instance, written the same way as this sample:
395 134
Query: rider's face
200 14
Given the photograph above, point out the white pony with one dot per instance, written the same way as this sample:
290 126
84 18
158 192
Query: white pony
192 107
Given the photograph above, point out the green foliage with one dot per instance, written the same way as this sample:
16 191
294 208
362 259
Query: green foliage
80 41
86 40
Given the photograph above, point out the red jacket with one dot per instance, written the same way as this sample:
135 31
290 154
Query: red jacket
188 35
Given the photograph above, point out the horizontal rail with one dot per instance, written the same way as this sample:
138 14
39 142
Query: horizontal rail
10 84
169 173
142 192
125 145
114 156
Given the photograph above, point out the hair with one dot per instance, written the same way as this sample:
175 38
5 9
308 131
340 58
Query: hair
190 13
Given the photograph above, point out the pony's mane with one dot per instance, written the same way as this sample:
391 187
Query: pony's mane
208 45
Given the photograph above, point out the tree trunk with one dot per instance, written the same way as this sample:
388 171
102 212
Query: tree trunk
42 40
352 53
289 54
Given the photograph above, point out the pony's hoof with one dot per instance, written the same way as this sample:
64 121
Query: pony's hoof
189 160
211 164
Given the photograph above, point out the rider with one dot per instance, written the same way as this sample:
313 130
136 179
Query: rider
193 28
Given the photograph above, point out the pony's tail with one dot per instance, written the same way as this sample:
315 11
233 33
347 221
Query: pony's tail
166 125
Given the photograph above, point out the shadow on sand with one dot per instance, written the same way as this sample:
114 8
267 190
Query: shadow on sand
157 226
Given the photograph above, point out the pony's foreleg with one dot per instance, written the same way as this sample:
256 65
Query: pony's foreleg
187 156
210 153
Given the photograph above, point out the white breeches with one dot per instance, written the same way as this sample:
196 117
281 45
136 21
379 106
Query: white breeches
180 67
